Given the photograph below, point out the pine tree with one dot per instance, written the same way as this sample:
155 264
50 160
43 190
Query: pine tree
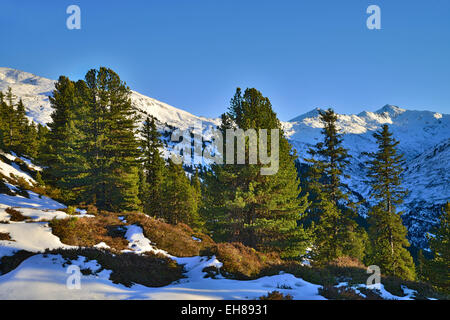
387 233
63 153
437 270
112 146
178 197
11 126
261 211
336 234
196 186
154 168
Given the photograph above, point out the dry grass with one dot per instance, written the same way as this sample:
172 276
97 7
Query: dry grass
276 295
129 268
241 262
87 232
341 293
175 239
16 215
9 263
5 236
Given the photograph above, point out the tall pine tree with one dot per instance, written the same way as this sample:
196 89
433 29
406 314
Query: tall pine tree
261 211
437 270
336 234
387 233
154 168
112 146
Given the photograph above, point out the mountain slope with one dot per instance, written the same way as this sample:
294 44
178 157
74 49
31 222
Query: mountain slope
423 135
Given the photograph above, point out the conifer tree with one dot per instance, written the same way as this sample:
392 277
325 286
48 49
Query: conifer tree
154 168
336 234
437 270
387 233
261 211
178 196
113 149
64 152
196 186
10 121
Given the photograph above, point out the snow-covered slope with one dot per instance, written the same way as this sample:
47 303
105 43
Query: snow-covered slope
423 135
34 91
424 141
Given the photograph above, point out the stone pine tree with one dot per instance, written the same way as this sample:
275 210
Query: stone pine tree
260 211
10 121
179 203
196 186
387 233
437 270
64 153
113 149
153 168
335 232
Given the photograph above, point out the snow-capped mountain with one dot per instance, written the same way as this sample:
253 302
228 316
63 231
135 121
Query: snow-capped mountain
424 140
34 91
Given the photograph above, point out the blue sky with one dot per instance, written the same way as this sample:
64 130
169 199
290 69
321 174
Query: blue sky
193 54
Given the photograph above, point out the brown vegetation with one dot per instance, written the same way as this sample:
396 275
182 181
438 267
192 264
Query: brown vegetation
5 236
15 215
87 232
128 268
276 295
175 239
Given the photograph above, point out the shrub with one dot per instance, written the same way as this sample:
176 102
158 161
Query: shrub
276 295
88 232
5 236
175 239
241 262
128 268
341 293
15 215
9 263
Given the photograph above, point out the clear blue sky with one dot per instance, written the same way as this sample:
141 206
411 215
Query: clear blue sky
192 54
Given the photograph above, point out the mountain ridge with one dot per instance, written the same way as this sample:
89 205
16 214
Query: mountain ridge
424 140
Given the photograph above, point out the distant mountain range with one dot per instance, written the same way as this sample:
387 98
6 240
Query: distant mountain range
424 140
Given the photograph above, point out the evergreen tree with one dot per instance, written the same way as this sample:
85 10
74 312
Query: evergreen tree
196 186
154 168
112 147
336 234
64 152
178 197
387 233
261 211
437 270
11 125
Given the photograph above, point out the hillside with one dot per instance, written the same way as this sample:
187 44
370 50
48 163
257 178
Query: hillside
133 256
424 139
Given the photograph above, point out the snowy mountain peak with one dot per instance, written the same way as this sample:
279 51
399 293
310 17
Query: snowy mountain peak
310 114
390 110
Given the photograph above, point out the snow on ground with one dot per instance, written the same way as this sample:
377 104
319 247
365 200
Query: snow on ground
45 277
35 201
34 237
409 294
13 169
138 242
